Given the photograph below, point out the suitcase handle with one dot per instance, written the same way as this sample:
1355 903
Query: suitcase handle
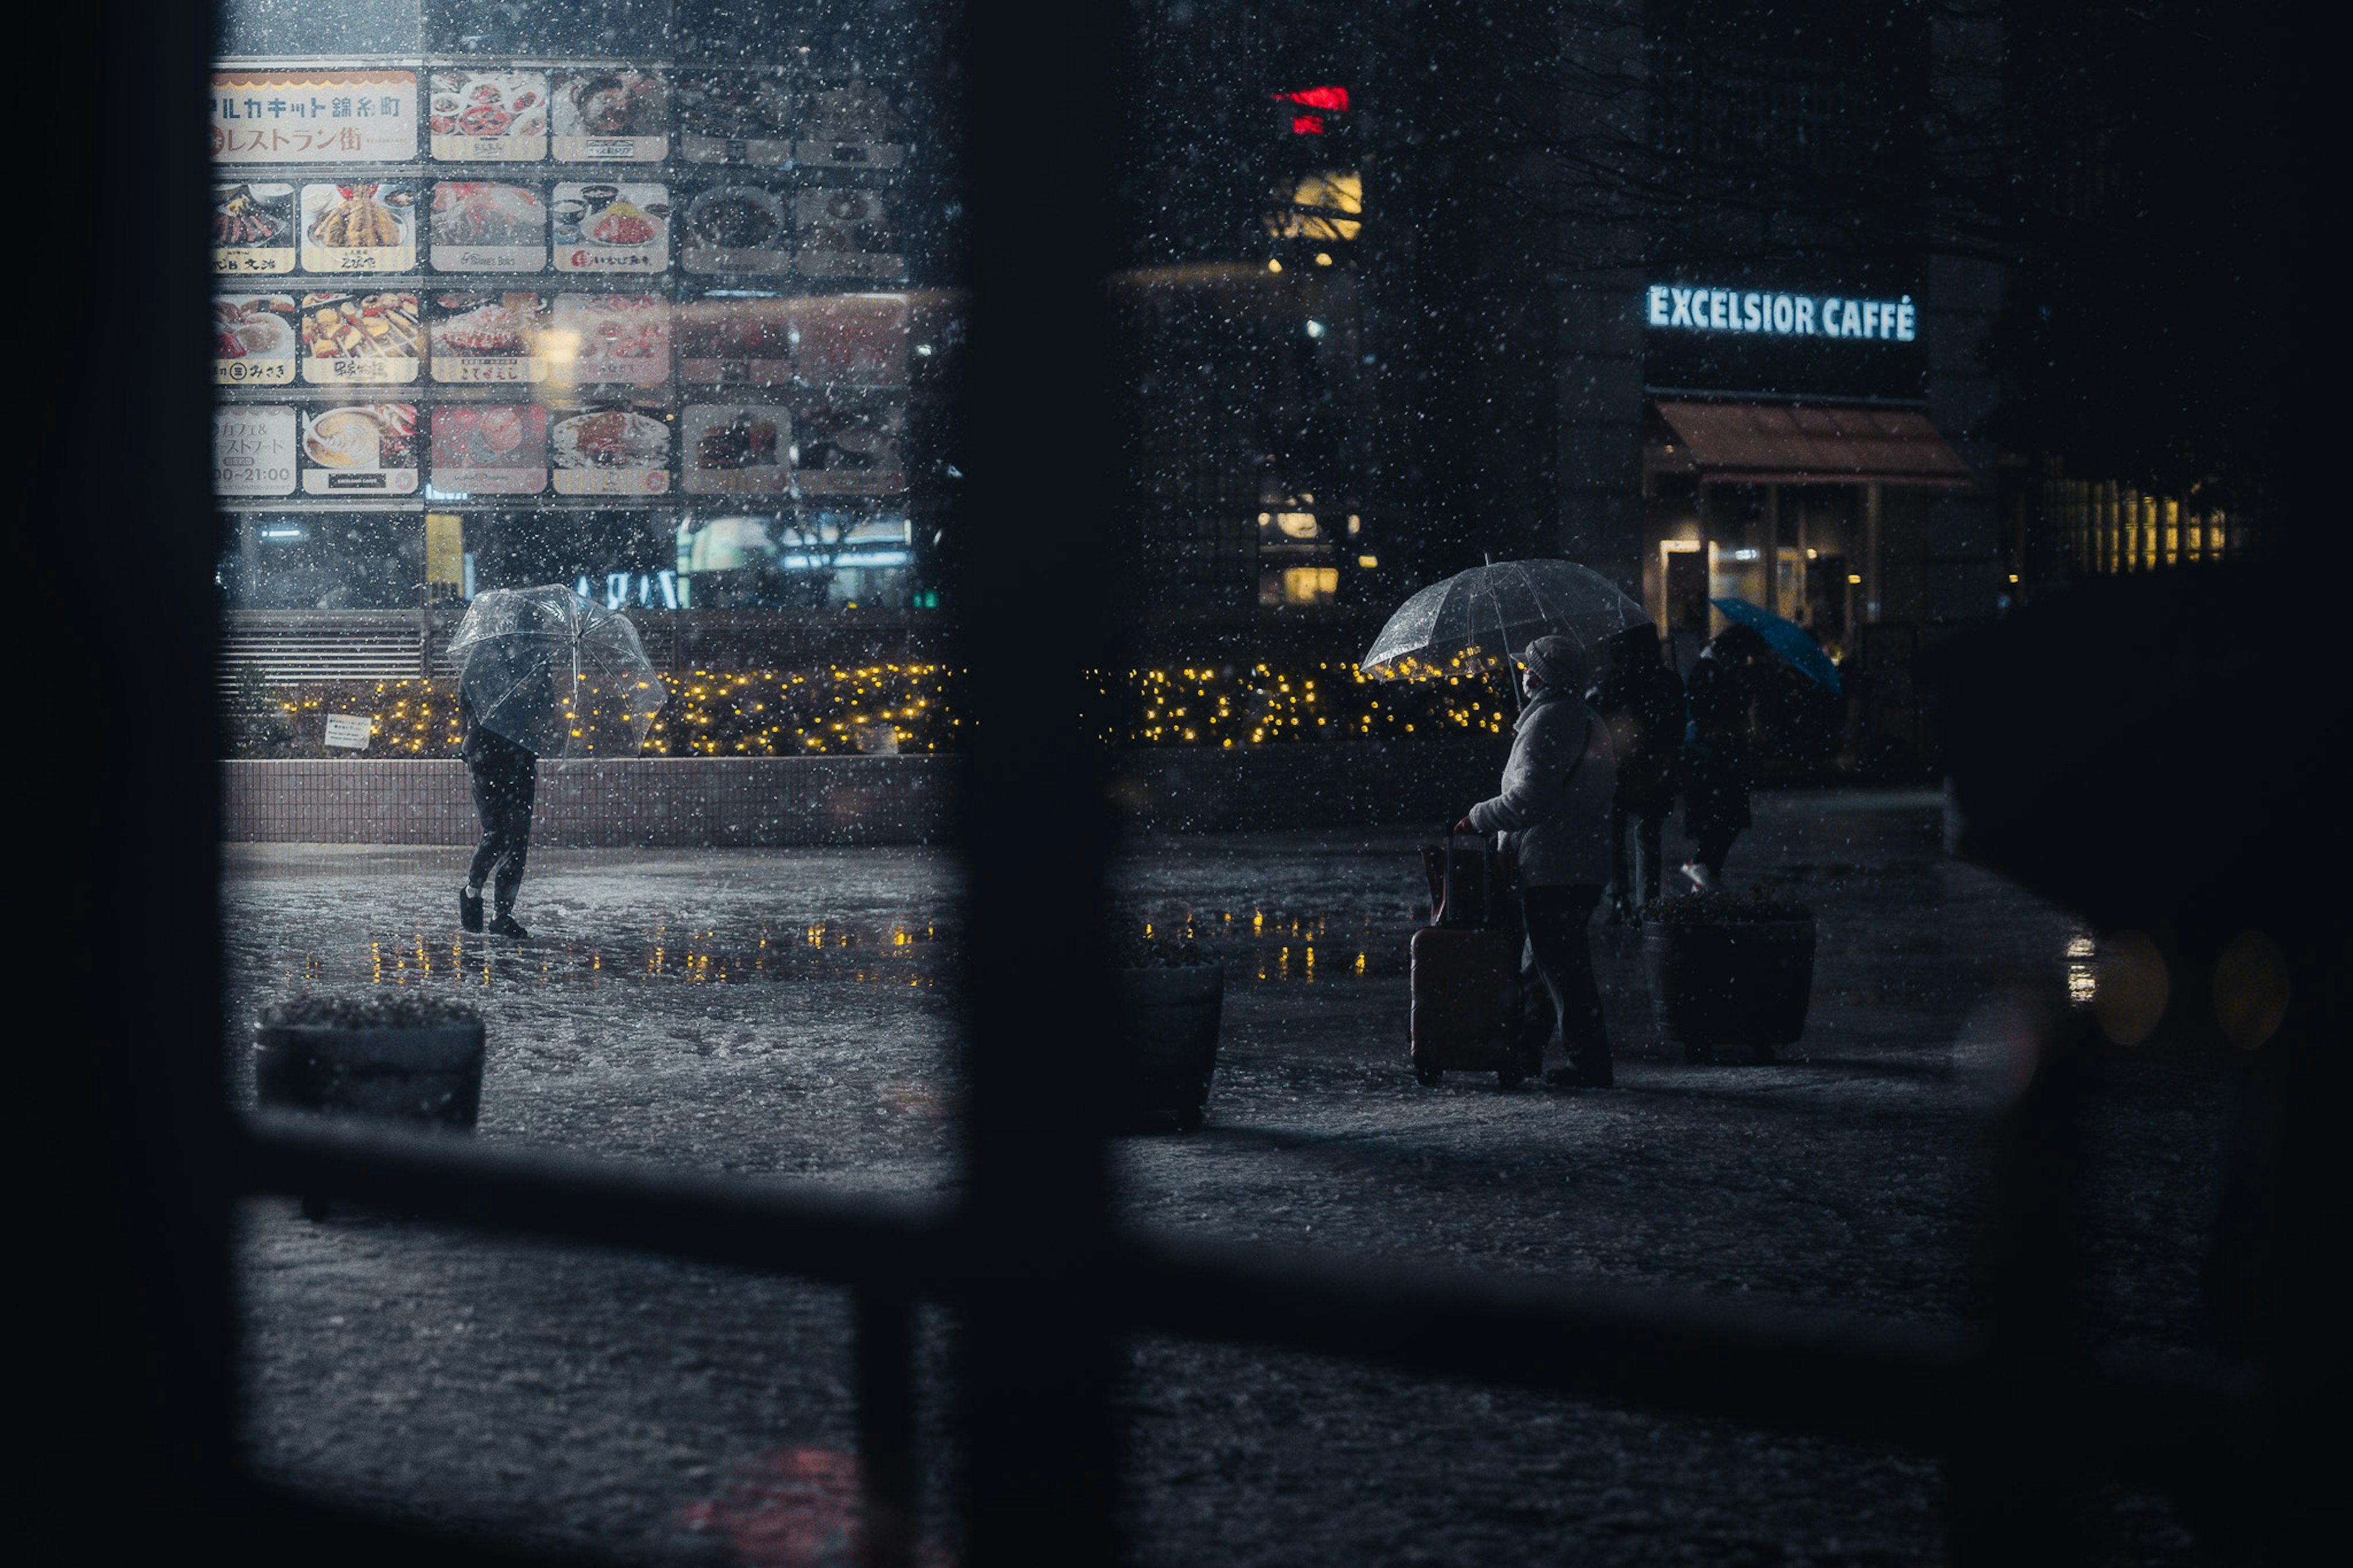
1449 885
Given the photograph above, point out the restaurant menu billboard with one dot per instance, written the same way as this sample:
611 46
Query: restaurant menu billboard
483 226
489 116
254 340
495 448
620 282
615 114
253 450
368 449
314 116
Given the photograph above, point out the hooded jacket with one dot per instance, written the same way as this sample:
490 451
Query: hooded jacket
1557 792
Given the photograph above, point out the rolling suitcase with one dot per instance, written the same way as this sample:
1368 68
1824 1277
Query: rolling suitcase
1466 970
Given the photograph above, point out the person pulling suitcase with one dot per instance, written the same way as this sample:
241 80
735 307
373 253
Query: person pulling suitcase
1555 805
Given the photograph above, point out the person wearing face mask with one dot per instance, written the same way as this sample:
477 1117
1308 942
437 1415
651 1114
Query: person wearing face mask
1554 811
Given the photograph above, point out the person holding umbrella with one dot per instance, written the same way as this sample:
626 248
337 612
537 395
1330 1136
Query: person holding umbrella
541 672
505 776
1554 804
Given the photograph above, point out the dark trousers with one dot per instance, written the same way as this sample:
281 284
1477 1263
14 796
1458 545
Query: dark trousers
1634 868
504 784
1715 843
1556 972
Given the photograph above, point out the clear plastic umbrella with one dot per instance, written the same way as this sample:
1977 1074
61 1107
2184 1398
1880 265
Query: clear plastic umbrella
1476 620
556 674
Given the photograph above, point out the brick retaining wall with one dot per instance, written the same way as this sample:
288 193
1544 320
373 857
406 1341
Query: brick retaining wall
754 802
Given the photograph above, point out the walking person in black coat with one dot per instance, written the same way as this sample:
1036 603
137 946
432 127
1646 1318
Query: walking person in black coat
505 779
1715 749
1643 702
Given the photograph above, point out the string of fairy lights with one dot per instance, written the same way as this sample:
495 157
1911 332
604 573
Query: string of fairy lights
909 706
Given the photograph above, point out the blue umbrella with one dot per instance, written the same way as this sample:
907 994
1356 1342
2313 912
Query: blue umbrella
1787 638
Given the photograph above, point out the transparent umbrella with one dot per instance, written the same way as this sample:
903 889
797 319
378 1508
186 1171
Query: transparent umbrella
556 674
1476 620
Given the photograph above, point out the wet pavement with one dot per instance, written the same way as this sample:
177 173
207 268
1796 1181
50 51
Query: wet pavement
786 1014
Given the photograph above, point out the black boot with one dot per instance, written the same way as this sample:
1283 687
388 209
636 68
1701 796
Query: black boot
469 910
507 925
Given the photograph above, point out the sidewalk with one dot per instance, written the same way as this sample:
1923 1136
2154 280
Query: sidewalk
787 1014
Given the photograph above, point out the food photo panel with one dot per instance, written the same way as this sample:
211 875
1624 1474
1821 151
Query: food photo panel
493 117
604 227
849 449
489 450
851 124
476 226
735 449
485 339
850 340
359 227
610 450
609 340
740 226
361 449
370 340
253 449
848 233
255 340
254 228
728 115
736 342
611 115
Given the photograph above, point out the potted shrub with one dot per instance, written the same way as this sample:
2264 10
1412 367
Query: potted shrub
1729 970
396 1057
1173 993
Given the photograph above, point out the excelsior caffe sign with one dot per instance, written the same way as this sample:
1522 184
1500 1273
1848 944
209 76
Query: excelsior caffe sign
1701 310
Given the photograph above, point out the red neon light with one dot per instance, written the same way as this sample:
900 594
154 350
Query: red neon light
1307 125
1332 97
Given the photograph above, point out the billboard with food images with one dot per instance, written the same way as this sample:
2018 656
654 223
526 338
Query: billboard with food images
359 227
483 226
254 227
489 449
370 340
478 338
734 449
359 448
493 116
254 340
610 450
601 227
610 114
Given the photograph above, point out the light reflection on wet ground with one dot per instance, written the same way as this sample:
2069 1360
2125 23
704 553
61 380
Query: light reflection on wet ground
1255 945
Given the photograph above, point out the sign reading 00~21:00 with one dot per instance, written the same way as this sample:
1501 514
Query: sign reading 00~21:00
1781 315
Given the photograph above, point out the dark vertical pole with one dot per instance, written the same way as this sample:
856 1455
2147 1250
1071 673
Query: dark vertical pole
886 1424
2016 1478
133 1101
1035 1358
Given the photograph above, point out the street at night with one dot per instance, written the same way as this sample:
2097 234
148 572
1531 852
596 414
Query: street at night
785 1014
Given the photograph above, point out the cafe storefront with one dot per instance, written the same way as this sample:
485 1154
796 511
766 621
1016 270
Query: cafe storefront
1788 458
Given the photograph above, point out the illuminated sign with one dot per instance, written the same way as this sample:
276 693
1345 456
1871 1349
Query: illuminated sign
1675 307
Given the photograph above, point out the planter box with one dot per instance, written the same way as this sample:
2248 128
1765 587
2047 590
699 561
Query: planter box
1173 1016
429 1076
1731 983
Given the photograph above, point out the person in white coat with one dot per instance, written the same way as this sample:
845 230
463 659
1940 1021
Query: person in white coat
1553 810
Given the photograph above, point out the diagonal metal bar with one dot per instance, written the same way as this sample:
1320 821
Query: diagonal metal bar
1847 1376
750 1225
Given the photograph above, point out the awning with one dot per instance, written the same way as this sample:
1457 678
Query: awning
1764 443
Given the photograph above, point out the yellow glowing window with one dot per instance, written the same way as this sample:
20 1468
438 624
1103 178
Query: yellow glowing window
1310 584
1296 524
1329 206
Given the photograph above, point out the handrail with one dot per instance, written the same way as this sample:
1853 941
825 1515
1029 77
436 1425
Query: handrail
1905 1386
